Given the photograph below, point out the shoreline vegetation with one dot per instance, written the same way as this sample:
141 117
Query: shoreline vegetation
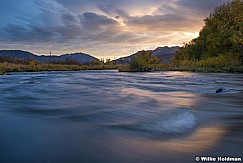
218 48
215 65
7 68
189 68
34 66
224 63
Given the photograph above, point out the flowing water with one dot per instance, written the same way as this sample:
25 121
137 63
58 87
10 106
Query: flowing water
107 116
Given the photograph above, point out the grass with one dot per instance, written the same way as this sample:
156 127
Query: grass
224 63
13 67
215 64
194 67
221 63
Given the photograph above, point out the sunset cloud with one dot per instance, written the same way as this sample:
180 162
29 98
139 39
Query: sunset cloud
102 28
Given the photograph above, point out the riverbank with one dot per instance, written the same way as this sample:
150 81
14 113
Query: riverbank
6 68
211 70
190 68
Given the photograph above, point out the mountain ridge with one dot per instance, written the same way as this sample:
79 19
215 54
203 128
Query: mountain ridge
164 54
78 56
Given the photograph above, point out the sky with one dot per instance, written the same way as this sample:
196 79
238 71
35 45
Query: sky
102 28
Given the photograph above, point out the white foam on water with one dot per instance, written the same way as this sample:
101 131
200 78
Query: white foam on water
177 122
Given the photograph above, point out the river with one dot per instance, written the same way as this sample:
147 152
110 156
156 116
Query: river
107 116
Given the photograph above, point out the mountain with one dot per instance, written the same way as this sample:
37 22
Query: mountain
124 60
80 57
164 54
18 54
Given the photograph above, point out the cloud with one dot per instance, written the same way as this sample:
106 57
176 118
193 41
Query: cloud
96 26
22 34
181 15
204 6
160 23
68 18
191 9
95 22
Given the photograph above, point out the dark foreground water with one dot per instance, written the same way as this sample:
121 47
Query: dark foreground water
106 116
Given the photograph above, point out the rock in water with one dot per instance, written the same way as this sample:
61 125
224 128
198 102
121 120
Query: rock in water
220 90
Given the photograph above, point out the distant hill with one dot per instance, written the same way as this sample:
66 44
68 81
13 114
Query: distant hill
164 54
80 57
18 54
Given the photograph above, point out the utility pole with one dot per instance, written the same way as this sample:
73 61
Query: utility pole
50 57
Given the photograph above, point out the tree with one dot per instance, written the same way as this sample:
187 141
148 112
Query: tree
142 61
221 35
154 60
